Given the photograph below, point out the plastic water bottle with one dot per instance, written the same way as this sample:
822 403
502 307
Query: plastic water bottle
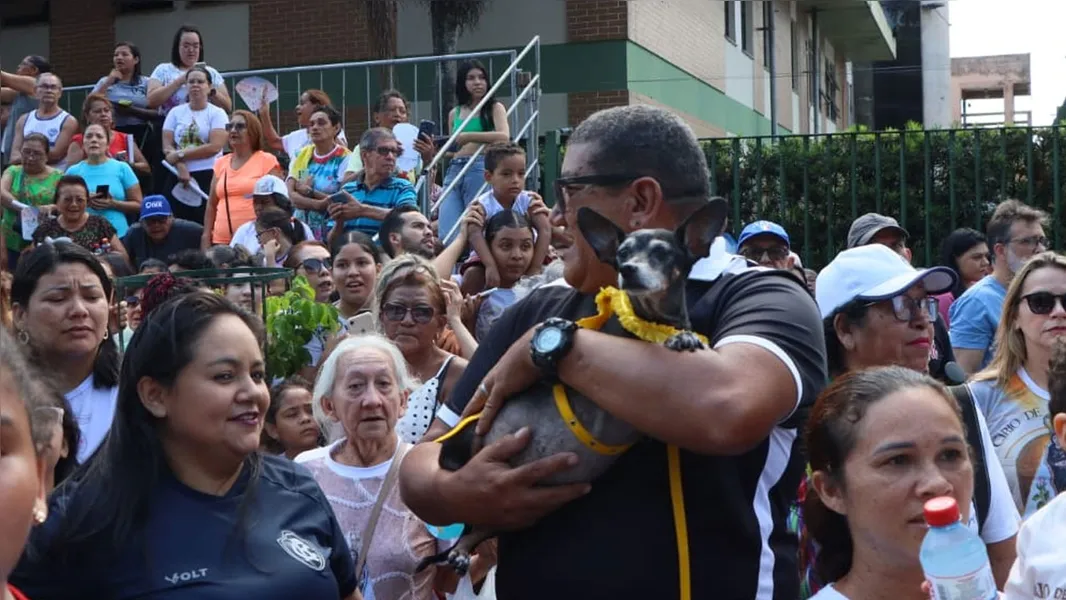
953 557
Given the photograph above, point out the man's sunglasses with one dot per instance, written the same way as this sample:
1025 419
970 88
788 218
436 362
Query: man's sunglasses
314 265
236 126
774 253
563 185
387 150
1042 303
422 314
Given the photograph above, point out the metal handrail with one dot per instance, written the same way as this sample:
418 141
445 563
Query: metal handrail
535 42
510 111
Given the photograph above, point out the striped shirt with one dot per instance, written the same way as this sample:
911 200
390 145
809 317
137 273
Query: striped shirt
387 195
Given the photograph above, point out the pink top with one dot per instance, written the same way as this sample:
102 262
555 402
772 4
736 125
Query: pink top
401 539
945 300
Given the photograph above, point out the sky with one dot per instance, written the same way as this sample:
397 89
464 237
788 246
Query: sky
986 27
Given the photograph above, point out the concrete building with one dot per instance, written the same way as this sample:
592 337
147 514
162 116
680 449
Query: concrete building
727 66
999 79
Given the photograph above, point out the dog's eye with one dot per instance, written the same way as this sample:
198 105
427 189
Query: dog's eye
622 252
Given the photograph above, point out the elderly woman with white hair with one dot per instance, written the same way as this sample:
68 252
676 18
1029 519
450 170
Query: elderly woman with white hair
364 385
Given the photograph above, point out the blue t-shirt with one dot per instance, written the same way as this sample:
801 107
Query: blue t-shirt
387 195
975 317
118 176
291 546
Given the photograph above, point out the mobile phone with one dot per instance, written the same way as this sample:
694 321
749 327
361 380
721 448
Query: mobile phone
361 324
338 198
427 128
102 190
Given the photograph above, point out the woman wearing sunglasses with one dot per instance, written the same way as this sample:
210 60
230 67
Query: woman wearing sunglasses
1013 390
412 311
311 260
878 311
230 203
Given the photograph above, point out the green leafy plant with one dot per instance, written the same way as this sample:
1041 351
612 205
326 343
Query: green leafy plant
292 319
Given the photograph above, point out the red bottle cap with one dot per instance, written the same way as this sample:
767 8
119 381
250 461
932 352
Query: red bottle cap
941 511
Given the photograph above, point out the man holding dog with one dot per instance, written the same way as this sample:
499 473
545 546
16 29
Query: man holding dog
697 508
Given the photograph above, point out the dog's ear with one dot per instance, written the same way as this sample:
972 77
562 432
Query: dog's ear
697 232
604 236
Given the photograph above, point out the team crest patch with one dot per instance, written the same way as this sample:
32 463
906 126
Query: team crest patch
302 550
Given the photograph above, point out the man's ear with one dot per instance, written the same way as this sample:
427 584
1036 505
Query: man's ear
697 232
396 242
601 234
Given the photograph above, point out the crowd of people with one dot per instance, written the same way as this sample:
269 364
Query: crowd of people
146 450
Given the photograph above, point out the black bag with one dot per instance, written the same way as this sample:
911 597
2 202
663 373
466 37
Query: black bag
982 484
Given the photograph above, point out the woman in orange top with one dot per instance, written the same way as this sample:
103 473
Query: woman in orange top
230 203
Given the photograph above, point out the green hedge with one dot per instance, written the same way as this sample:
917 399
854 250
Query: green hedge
932 183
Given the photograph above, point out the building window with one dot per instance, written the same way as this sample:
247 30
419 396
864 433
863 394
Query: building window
767 31
747 28
793 55
23 12
831 92
730 20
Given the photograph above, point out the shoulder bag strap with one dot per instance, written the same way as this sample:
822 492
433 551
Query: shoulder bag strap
225 192
982 491
383 493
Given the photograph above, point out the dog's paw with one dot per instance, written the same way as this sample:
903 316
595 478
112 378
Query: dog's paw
460 561
684 341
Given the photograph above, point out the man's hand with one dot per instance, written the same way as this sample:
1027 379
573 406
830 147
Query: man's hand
513 373
352 209
488 492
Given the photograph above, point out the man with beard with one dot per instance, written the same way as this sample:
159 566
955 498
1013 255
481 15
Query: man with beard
1016 233
712 480
406 230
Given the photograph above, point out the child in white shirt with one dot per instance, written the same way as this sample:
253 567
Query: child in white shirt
505 172
1040 569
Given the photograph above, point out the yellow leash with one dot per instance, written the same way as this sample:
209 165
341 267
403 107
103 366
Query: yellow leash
611 301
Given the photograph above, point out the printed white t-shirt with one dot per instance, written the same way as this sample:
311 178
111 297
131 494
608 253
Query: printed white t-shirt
1040 569
1017 418
192 128
166 72
94 410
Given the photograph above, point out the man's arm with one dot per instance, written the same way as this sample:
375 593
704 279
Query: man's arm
22 84
59 150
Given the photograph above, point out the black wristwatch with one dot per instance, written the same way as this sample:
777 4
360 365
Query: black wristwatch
551 342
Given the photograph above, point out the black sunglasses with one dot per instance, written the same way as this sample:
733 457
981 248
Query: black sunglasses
563 184
236 126
422 314
314 265
774 253
387 150
1042 303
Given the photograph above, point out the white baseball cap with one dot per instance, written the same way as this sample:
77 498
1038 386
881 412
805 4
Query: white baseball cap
268 185
874 272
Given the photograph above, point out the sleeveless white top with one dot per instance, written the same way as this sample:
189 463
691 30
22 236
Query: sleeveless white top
422 407
49 128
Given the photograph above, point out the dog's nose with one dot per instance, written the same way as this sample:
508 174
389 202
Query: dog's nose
627 270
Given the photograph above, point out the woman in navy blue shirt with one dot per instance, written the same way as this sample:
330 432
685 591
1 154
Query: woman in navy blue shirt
178 503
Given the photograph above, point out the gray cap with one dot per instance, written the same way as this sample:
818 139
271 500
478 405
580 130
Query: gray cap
866 227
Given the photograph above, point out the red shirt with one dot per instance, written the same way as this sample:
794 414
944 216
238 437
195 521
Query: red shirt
118 142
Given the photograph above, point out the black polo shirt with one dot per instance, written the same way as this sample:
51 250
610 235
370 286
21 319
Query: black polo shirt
618 541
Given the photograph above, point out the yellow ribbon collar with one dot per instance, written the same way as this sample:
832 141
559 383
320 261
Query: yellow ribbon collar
614 302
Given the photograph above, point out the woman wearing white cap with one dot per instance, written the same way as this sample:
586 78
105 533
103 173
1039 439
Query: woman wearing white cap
269 192
878 311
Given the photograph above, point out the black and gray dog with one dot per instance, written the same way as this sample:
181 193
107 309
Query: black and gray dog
652 266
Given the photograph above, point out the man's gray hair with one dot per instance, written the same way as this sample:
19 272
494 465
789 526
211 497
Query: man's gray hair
646 141
373 137
42 76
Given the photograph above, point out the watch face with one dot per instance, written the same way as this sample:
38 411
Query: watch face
548 339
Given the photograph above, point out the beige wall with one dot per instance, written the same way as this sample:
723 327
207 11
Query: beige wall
17 42
225 29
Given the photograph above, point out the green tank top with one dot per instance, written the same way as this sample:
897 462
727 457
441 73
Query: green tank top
474 126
